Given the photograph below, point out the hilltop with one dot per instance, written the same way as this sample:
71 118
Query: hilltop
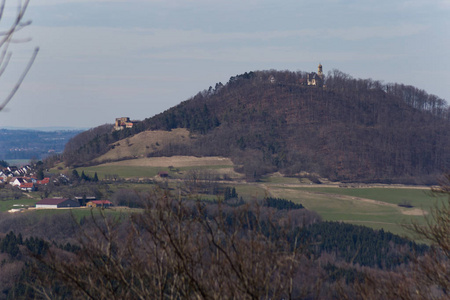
266 121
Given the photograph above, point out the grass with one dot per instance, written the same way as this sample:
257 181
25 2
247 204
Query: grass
249 191
421 198
79 213
215 167
331 203
142 171
9 204
122 171
280 180
332 206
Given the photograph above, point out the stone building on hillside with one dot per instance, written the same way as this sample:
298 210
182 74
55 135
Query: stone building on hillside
124 122
316 79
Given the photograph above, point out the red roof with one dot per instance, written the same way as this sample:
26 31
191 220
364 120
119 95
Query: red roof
43 181
27 185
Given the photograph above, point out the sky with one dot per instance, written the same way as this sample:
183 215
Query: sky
103 59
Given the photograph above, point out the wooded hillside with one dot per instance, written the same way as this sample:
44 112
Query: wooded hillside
353 129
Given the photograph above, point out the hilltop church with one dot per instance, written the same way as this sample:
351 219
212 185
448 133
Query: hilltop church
316 79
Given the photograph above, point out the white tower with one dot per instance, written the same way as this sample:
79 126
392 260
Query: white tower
319 71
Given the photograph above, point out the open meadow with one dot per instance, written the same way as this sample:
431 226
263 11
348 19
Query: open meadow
176 167
372 205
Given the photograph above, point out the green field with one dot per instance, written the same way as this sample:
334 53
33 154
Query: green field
143 172
422 198
10 204
121 171
373 207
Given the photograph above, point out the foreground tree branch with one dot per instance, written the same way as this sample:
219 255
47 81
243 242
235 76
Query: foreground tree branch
7 37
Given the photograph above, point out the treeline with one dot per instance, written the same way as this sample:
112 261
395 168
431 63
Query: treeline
279 203
10 245
19 266
362 245
281 251
354 129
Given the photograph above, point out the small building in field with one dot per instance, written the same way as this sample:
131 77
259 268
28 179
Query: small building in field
57 203
163 174
99 203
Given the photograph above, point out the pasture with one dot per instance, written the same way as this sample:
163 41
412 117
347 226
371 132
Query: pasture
373 206
176 167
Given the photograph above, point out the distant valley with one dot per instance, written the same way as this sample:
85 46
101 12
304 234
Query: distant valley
25 144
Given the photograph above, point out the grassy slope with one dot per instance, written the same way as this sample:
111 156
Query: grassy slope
352 206
144 143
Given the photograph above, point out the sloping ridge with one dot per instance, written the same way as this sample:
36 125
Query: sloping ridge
144 144
352 130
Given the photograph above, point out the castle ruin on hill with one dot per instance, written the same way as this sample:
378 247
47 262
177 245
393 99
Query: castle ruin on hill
124 122
316 79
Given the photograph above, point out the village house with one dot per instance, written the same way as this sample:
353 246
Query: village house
27 187
44 181
17 181
13 171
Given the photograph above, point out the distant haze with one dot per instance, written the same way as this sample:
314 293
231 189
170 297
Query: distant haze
102 59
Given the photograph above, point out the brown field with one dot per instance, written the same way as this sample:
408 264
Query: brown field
174 161
144 143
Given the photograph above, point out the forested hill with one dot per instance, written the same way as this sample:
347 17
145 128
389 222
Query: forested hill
353 129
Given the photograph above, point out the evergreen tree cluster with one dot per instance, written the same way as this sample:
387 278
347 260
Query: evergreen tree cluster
10 244
230 193
361 245
77 177
279 203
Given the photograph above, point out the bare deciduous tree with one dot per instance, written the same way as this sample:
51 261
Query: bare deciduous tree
6 39
182 250
427 276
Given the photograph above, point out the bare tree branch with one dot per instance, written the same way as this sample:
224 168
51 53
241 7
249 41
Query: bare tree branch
7 39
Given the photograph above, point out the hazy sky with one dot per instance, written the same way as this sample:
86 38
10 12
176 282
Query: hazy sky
102 59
